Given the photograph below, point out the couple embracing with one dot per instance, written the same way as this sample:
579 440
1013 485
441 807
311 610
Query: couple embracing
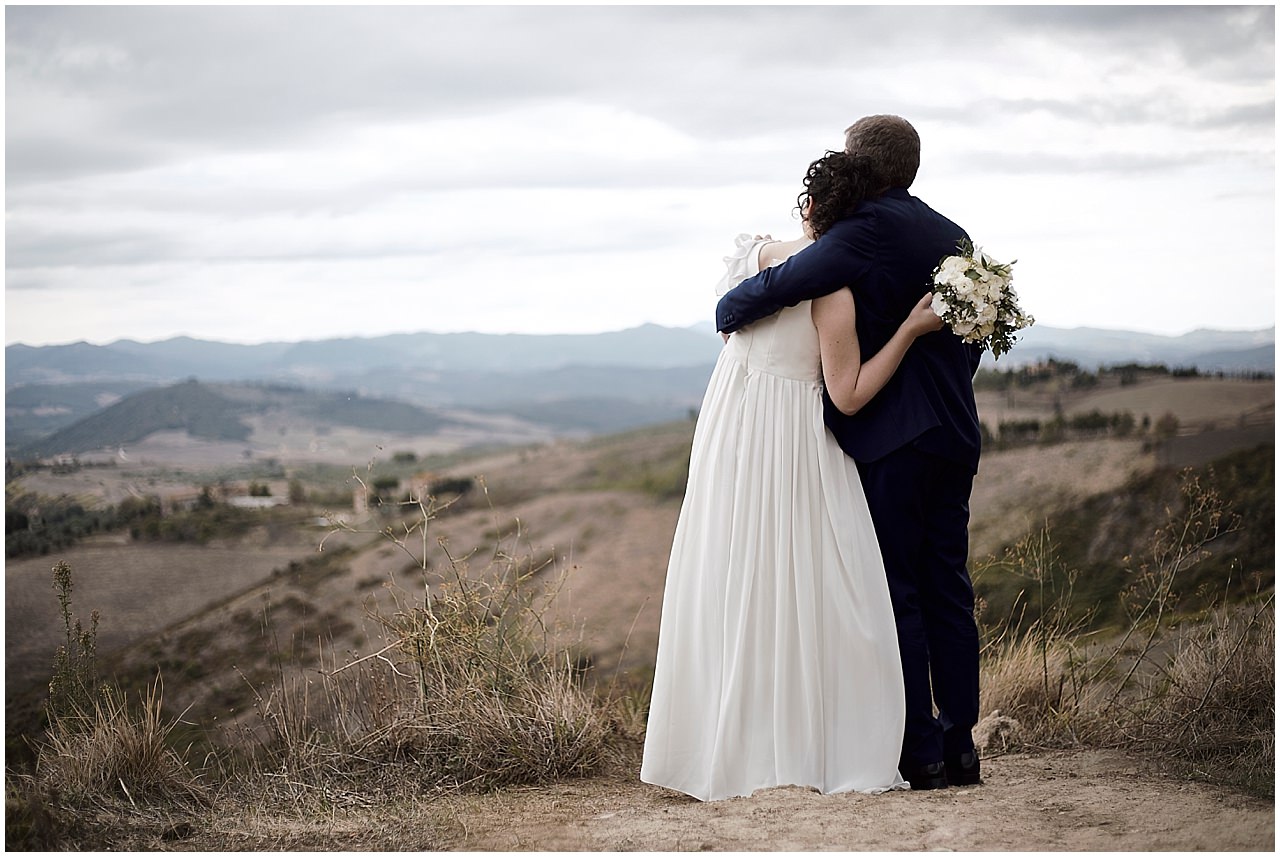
817 624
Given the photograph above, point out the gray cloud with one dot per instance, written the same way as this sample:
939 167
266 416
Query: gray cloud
1121 109
1103 162
153 82
1232 41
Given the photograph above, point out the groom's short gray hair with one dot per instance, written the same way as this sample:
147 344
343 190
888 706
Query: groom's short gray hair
891 144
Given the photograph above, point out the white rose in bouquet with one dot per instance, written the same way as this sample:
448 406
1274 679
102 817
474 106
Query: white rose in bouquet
954 270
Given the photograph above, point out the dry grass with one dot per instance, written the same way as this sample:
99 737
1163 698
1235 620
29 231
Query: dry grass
1038 686
111 753
1195 401
1209 706
1033 670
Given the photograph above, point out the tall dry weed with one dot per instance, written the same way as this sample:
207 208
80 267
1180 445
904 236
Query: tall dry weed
75 684
1152 594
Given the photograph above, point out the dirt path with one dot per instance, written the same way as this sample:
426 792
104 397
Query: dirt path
1077 801
1081 801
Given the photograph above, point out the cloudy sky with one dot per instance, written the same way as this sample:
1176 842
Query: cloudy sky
255 174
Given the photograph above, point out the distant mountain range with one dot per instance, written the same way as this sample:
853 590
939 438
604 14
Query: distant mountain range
1206 350
649 347
583 383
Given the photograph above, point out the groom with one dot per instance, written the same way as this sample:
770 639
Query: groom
916 444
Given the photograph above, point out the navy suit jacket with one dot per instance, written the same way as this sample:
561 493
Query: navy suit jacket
885 252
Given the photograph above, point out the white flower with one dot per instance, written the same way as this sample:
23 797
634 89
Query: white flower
995 287
984 314
940 306
963 328
949 278
952 271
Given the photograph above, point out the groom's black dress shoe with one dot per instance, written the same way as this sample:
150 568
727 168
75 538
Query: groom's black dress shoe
964 769
924 777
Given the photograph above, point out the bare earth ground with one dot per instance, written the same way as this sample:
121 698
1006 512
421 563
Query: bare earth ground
1061 801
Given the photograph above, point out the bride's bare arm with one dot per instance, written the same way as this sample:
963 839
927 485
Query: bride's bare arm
850 382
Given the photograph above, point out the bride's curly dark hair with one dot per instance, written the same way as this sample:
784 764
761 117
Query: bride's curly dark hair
833 187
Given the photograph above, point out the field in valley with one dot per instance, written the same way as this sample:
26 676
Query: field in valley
138 590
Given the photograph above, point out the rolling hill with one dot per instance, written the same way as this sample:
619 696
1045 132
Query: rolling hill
217 412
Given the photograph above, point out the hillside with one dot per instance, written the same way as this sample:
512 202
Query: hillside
220 412
604 512
1101 540
595 518
34 411
190 406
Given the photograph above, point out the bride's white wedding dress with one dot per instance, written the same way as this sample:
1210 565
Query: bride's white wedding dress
777 654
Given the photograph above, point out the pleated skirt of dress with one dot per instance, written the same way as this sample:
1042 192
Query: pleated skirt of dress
777 658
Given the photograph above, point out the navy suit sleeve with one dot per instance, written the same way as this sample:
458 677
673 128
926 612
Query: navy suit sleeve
830 263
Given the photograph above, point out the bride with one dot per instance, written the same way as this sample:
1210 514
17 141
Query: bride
777 653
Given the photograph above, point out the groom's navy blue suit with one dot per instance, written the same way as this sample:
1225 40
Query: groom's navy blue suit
916 444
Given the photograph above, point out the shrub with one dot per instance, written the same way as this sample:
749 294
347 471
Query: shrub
1166 426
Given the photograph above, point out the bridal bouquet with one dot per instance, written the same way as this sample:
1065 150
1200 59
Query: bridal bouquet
973 295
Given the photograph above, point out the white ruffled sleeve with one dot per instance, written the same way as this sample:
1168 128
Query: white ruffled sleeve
743 263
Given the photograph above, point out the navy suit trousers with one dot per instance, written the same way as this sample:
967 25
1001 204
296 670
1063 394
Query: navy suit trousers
920 506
